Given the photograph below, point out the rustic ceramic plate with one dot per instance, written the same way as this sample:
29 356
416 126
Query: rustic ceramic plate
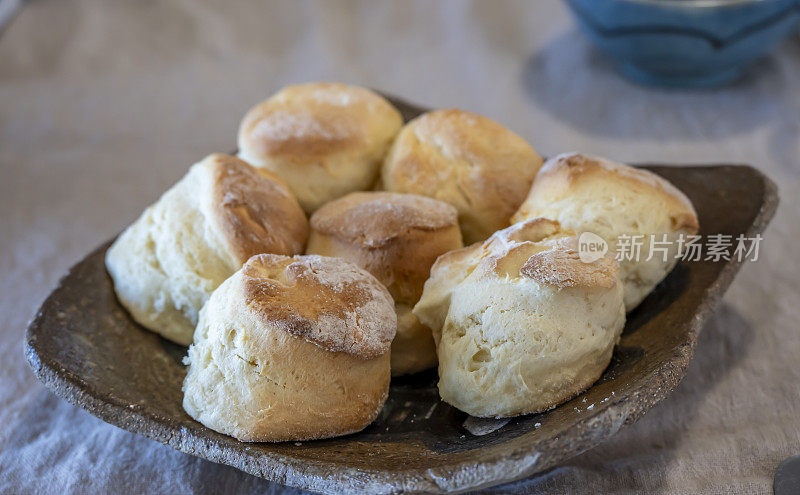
87 350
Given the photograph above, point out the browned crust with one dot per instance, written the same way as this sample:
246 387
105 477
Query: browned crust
254 210
562 267
566 170
326 301
471 137
304 121
402 265
317 132
491 166
503 241
539 249
373 219
395 237
531 230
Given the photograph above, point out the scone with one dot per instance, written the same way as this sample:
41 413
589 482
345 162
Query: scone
466 160
396 237
291 348
324 139
223 211
521 323
590 194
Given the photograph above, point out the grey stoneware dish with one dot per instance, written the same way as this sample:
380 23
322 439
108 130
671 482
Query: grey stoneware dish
85 348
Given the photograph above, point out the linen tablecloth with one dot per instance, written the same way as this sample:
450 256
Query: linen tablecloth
104 104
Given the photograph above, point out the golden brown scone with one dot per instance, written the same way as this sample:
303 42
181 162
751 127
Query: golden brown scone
291 348
396 237
167 263
590 194
521 323
466 160
324 139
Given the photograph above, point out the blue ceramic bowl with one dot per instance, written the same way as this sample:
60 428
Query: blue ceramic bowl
686 43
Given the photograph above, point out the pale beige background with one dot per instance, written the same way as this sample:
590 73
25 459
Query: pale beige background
104 104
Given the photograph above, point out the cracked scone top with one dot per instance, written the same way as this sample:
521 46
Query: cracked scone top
469 161
521 323
291 348
591 194
167 263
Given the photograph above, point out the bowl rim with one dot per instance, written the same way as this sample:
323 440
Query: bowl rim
689 4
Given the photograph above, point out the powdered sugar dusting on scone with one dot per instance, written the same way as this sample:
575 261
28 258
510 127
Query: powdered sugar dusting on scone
290 124
560 266
326 301
376 217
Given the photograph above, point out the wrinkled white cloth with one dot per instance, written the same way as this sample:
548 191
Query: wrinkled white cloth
104 104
